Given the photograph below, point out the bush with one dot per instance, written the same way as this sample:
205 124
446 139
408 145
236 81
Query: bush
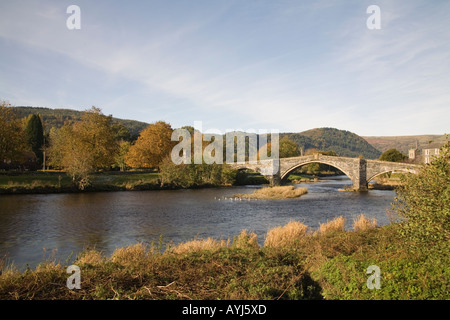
195 175
423 204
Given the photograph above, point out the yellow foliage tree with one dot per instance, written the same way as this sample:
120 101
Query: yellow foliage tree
153 145
83 147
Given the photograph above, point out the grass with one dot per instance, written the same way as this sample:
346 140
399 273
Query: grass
274 193
59 181
295 262
298 178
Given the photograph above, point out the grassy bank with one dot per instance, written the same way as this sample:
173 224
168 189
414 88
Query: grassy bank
295 262
53 182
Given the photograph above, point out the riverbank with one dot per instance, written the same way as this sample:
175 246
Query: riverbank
294 263
58 182
39 182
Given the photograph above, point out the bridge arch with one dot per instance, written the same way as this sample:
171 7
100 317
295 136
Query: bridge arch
387 171
286 173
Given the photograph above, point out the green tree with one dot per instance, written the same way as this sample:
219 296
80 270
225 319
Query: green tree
392 155
121 133
34 134
288 148
124 147
423 204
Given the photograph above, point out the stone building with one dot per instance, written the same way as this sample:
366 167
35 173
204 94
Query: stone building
425 155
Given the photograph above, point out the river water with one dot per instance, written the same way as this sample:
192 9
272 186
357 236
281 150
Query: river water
33 227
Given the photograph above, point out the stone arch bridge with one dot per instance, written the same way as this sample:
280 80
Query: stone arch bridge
360 171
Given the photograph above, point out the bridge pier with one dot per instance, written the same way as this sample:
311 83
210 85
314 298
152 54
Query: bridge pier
360 185
360 176
274 180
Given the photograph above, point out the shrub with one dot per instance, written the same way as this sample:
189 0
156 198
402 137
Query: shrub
423 203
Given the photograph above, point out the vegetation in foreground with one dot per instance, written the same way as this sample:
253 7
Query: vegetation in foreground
294 263
274 193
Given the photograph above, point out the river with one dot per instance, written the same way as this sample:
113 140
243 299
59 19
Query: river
36 226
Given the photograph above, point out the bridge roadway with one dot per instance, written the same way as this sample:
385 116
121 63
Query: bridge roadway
360 171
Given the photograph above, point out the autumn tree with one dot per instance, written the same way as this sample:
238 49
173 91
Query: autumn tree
12 137
83 147
152 146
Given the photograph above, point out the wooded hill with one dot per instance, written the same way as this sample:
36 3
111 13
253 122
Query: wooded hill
344 143
57 117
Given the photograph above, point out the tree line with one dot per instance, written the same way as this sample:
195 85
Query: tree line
96 142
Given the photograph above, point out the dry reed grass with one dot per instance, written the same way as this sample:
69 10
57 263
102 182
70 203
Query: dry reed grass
92 257
335 225
274 193
199 245
284 236
361 223
130 255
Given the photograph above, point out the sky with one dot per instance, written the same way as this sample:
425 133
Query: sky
287 65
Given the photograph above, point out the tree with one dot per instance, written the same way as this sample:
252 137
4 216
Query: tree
124 147
85 146
34 134
121 133
12 137
392 155
288 148
153 145
423 204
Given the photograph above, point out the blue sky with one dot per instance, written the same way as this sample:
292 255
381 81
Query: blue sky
244 64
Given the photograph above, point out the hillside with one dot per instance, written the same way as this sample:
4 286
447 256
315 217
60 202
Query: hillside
57 117
404 143
344 143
